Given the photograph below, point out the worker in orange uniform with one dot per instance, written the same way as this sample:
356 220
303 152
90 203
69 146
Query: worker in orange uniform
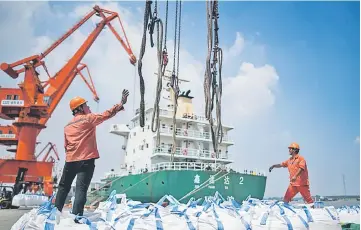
81 151
297 168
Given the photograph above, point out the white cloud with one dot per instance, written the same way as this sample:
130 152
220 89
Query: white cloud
250 92
247 94
237 48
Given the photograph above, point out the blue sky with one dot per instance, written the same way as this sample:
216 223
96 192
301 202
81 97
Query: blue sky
313 46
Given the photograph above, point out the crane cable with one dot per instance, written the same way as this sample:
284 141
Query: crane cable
210 76
175 73
162 63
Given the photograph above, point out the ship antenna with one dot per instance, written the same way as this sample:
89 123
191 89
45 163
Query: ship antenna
344 184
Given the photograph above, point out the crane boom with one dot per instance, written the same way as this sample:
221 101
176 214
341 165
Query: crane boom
8 68
51 148
55 93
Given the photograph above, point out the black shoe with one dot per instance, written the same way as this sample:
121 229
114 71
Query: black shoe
77 221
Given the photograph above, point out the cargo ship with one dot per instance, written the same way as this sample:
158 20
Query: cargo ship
147 172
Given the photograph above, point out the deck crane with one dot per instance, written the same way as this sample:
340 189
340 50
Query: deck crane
31 104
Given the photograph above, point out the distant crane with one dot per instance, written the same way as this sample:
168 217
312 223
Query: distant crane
344 184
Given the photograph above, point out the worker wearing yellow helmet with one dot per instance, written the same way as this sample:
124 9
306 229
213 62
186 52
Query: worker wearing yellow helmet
81 151
297 169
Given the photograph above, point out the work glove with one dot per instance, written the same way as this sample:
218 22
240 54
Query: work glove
125 95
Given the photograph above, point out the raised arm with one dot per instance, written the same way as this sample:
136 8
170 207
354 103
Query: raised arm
97 119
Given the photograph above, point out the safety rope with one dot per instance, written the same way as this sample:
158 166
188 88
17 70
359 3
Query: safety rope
212 90
120 177
138 182
203 185
200 187
175 73
162 63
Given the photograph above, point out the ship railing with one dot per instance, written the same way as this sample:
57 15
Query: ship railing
189 166
190 152
192 116
192 133
199 166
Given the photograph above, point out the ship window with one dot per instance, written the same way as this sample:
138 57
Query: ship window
8 97
143 129
133 150
163 126
134 134
16 97
1 132
148 127
147 145
10 132
141 147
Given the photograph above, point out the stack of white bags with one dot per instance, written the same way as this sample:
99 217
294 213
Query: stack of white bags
214 213
349 214
29 200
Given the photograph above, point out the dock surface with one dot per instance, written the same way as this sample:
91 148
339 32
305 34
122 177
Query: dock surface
8 217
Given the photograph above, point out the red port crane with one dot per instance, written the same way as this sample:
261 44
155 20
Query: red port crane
32 104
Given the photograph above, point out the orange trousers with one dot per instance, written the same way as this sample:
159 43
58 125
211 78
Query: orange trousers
293 190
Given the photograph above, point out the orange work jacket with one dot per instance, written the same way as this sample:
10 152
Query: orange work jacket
294 164
80 137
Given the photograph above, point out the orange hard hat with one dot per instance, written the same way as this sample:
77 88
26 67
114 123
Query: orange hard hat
76 102
294 146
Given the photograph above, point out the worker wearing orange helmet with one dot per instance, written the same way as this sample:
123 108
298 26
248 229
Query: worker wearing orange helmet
81 151
297 169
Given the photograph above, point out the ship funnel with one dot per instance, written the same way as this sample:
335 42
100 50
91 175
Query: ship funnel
185 105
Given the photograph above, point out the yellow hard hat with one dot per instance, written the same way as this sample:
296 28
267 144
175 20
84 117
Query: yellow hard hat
76 102
294 146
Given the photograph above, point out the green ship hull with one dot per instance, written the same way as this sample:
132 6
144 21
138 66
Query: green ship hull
150 187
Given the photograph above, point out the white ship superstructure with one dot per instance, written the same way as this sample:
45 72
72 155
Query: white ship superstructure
193 136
